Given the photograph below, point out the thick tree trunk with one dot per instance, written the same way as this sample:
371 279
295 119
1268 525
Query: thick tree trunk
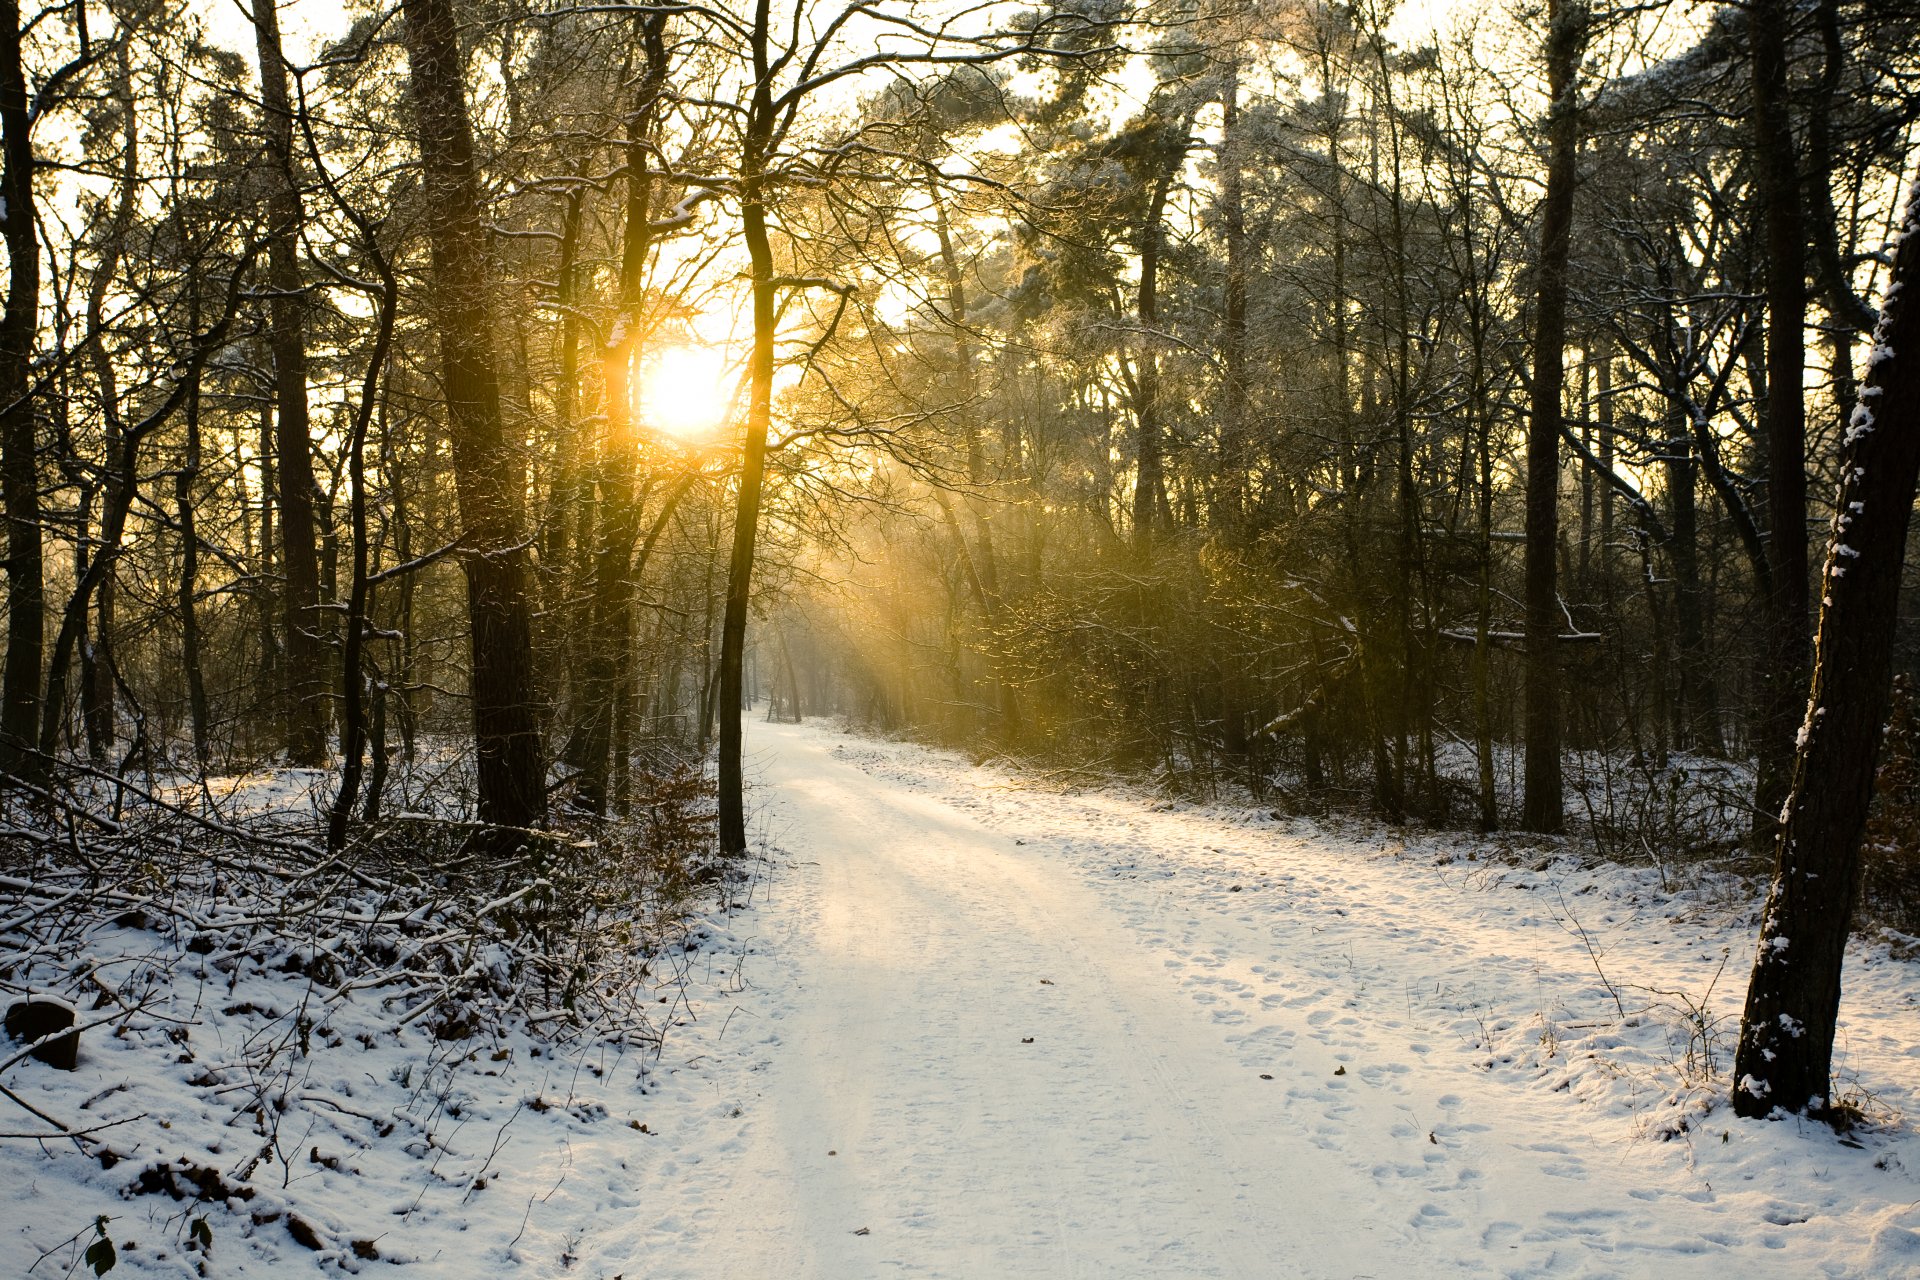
306 652
487 470
1785 1058
19 476
1777 185
1542 808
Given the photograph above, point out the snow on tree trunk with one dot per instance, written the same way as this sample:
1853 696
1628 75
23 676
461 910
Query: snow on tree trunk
1784 1062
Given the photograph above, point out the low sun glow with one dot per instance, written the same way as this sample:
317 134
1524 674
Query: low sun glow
684 390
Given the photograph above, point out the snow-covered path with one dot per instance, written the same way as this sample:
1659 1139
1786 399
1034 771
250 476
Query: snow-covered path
1008 1033
985 1070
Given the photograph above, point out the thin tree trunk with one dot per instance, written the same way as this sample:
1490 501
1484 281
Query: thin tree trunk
96 649
1149 492
1483 610
266 591
746 520
1233 338
353 665
187 593
983 569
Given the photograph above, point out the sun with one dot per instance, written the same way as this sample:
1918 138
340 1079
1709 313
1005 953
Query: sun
684 391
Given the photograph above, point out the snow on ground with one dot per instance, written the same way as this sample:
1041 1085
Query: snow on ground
976 1028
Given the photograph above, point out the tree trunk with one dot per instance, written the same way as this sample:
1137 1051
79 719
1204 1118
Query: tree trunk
96 675
487 470
1783 412
606 673
266 592
187 593
1149 491
354 690
746 519
19 476
1233 338
1698 721
306 654
1542 808
1785 1058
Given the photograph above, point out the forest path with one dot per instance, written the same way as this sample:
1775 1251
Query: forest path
1124 1140
1259 1049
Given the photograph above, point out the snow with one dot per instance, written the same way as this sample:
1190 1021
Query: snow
974 1027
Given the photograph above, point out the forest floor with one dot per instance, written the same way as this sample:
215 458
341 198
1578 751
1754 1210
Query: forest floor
972 1026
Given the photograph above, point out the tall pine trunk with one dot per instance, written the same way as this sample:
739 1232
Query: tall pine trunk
305 650
1783 412
487 470
1542 808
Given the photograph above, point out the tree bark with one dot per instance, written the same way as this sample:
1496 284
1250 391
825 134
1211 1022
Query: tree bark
306 653
1783 412
1542 808
746 520
1785 1059
187 592
19 475
487 470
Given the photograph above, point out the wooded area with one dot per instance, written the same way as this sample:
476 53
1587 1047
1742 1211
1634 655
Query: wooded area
1266 395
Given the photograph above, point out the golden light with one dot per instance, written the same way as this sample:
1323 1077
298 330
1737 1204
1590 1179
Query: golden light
684 391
